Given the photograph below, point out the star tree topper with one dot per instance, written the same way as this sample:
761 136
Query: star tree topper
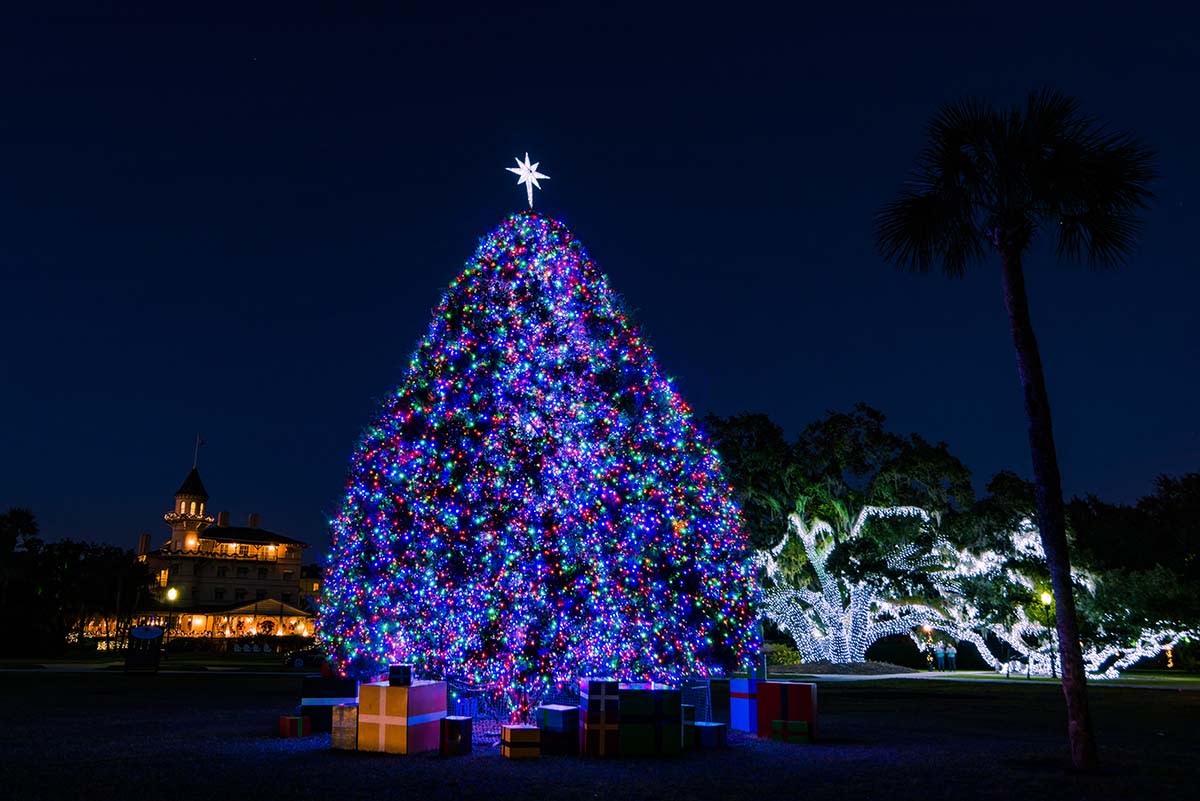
527 174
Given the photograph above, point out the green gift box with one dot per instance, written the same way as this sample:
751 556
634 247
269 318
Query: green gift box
651 722
720 699
790 731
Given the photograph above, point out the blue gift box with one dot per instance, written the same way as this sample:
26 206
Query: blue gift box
710 734
743 705
318 697
558 717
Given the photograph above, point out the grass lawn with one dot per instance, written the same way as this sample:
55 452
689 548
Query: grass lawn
1129 678
104 735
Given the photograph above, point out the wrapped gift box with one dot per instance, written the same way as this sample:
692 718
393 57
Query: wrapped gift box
519 741
344 719
651 720
598 733
558 717
401 720
400 675
456 735
295 726
710 734
718 692
790 731
318 697
786 700
560 743
559 724
743 705
688 713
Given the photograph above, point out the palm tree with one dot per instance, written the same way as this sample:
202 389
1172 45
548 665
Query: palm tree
990 179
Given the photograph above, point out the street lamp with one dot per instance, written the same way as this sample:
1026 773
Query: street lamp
172 594
1047 601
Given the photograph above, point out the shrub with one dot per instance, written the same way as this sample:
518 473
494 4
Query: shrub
782 655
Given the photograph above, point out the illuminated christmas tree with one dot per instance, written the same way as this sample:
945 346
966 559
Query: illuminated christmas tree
534 502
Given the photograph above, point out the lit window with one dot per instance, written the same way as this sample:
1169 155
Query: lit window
201 507
193 507
182 505
162 578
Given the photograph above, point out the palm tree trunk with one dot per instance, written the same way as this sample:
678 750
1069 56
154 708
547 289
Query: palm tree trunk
1050 512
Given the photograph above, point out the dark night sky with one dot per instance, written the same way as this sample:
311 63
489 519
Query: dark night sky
239 227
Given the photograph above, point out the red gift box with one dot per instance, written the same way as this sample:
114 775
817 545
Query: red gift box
786 700
295 725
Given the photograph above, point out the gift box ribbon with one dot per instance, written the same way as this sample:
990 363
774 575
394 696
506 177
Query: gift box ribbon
602 729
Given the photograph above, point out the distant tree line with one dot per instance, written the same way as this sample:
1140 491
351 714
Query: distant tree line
50 590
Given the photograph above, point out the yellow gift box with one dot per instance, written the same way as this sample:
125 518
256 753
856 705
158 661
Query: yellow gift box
520 742
345 727
401 720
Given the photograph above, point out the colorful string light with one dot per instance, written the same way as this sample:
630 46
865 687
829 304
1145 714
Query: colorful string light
534 502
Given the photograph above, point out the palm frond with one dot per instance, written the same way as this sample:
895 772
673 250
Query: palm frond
936 219
990 178
1087 182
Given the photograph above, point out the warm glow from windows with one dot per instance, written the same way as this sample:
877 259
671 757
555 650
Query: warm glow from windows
162 578
198 621
193 507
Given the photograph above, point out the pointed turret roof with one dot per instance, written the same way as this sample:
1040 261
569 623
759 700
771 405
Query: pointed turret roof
193 486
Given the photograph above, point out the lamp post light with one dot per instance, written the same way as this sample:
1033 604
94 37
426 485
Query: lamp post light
1047 605
172 594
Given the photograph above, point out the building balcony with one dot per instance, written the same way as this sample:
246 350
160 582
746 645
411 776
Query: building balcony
214 549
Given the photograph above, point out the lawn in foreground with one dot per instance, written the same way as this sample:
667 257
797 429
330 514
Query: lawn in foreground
108 736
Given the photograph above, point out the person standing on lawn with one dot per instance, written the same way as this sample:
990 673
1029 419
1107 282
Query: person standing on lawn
951 653
939 652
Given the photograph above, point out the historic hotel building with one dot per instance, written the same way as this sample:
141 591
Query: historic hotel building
217 580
